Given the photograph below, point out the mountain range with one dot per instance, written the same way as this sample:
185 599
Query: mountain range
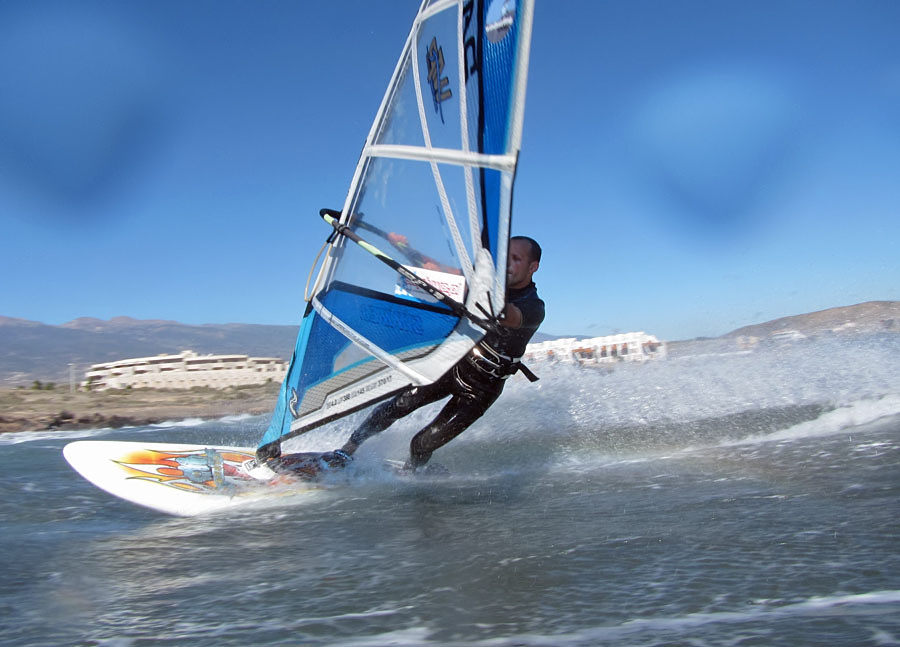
31 351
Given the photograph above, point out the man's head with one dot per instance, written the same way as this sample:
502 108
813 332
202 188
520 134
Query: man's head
523 261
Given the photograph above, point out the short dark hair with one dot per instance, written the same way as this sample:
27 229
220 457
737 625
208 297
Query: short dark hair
535 248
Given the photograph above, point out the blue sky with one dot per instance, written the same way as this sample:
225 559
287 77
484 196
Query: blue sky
688 167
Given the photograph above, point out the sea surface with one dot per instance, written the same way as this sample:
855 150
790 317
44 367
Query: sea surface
715 498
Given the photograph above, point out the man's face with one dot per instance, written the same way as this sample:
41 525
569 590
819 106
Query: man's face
519 266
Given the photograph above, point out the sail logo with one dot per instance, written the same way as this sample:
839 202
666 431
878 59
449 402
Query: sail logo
292 403
452 285
499 20
403 321
434 58
501 15
472 63
357 391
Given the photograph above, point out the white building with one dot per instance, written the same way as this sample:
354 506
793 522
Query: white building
184 371
626 347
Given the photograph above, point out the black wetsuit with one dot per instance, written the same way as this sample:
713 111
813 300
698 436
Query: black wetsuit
473 384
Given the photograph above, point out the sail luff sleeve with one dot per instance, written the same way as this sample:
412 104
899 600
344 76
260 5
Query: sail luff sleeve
269 445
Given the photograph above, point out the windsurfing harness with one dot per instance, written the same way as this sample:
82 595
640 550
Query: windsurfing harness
499 353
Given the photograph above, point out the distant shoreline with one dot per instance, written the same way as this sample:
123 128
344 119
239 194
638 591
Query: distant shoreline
44 410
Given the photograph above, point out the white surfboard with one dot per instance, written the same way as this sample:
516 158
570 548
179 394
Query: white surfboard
178 479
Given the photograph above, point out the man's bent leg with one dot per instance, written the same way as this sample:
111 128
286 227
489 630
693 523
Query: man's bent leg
380 419
385 414
456 416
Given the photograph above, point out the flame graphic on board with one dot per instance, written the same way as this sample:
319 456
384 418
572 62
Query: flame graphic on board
193 471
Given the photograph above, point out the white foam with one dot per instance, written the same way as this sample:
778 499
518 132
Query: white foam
855 415
17 437
186 422
761 613
240 417
836 373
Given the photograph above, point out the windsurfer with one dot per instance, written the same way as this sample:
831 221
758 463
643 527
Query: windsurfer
476 381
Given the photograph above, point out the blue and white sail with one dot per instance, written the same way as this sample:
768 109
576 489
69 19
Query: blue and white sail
433 191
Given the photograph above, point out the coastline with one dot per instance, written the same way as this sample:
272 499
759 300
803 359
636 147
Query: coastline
33 410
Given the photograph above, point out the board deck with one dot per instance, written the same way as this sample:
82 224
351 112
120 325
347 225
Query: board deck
178 479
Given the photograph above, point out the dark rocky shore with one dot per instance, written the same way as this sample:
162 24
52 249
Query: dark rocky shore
44 410
68 420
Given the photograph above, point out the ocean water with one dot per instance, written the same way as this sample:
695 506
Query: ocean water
709 499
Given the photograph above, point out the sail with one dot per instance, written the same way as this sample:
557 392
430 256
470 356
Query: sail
431 196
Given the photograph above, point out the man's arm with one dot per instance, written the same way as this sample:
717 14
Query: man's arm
528 314
511 317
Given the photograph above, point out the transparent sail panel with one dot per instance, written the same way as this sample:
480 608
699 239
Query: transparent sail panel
401 211
402 124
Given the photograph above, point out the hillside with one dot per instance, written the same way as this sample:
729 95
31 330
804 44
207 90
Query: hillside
870 317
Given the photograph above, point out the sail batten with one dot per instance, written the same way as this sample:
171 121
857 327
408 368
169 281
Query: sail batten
432 189
443 155
434 8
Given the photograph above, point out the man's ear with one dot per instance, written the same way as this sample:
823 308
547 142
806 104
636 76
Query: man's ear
533 266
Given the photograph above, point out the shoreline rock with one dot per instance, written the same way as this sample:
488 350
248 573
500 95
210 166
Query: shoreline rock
65 420
25 410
